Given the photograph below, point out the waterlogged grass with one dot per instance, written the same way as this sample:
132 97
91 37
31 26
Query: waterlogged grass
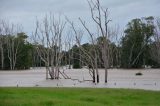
77 97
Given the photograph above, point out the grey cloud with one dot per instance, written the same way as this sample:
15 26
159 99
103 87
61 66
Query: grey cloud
121 11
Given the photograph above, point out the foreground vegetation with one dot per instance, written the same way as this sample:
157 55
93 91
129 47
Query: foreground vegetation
77 96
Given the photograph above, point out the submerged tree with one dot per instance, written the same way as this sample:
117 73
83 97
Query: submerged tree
48 38
100 18
99 52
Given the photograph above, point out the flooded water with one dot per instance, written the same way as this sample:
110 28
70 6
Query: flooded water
117 78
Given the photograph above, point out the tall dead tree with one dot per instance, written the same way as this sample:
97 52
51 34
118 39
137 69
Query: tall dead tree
48 38
100 18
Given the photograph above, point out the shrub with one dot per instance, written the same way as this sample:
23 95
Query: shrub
139 74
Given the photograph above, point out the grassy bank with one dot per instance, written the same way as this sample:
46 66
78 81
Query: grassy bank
77 97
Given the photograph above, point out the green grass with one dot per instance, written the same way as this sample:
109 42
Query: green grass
77 97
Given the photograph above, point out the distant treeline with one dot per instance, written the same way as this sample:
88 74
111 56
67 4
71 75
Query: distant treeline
138 48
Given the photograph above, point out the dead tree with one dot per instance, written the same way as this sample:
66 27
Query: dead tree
100 18
12 42
48 38
90 60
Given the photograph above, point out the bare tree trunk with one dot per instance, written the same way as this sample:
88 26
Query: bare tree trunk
9 49
48 38
105 59
96 66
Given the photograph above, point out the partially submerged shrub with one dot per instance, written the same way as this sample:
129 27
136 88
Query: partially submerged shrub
139 74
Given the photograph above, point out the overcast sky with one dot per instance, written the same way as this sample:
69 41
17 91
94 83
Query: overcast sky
120 11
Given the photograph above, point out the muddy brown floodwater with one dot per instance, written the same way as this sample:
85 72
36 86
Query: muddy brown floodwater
117 78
